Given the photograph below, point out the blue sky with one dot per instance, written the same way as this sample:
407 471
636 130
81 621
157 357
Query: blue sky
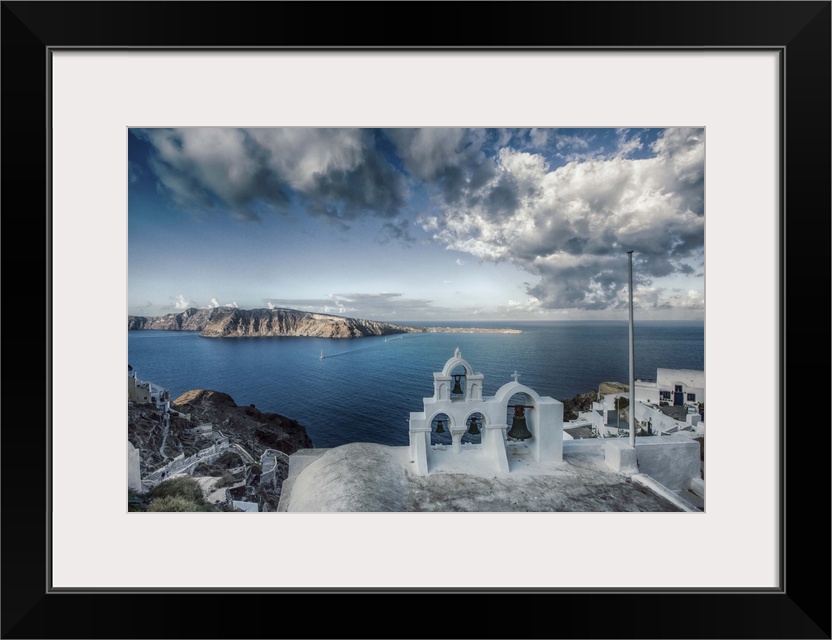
418 224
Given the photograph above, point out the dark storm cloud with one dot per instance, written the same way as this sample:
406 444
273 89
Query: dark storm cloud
452 161
215 169
502 198
337 173
347 194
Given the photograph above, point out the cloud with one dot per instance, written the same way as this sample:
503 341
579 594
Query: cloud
451 160
339 304
303 304
627 145
334 173
690 299
180 303
498 195
396 230
134 171
565 141
529 305
214 304
539 137
572 225
385 305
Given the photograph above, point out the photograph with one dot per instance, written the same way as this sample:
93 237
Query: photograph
416 319
426 294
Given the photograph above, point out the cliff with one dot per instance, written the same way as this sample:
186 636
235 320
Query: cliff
247 426
188 320
228 322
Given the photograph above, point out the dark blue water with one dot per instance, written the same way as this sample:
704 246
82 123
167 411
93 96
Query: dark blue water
365 388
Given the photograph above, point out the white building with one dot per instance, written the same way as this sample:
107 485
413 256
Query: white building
134 473
672 387
146 392
604 416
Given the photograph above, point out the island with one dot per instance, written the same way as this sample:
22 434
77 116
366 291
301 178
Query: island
231 322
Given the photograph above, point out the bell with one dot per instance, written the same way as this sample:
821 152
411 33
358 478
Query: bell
440 427
457 389
519 430
473 429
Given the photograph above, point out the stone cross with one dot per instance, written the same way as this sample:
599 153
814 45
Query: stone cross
515 375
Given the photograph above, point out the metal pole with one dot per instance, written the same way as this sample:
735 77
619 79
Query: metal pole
632 380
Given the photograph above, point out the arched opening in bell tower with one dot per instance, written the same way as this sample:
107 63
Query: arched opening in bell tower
440 430
475 424
459 382
519 417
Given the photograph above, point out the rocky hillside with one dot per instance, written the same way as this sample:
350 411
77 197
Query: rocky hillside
247 426
228 322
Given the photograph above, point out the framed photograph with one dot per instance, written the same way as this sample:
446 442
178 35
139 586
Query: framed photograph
81 78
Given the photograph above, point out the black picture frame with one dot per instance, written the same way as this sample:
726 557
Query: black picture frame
799 31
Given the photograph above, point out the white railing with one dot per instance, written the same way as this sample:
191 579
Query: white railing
268 465
180 464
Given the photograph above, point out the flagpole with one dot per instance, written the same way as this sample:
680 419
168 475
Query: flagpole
632 381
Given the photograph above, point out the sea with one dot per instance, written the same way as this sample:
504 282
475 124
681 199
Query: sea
364 389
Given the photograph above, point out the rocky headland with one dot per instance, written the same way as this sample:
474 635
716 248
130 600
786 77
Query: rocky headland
230 322
246 425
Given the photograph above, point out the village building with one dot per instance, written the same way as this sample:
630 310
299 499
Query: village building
659 409
146 392
134 473
674 387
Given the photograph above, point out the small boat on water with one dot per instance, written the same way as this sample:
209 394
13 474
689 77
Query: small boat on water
322 355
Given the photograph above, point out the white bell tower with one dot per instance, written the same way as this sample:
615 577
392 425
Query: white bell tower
459 396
